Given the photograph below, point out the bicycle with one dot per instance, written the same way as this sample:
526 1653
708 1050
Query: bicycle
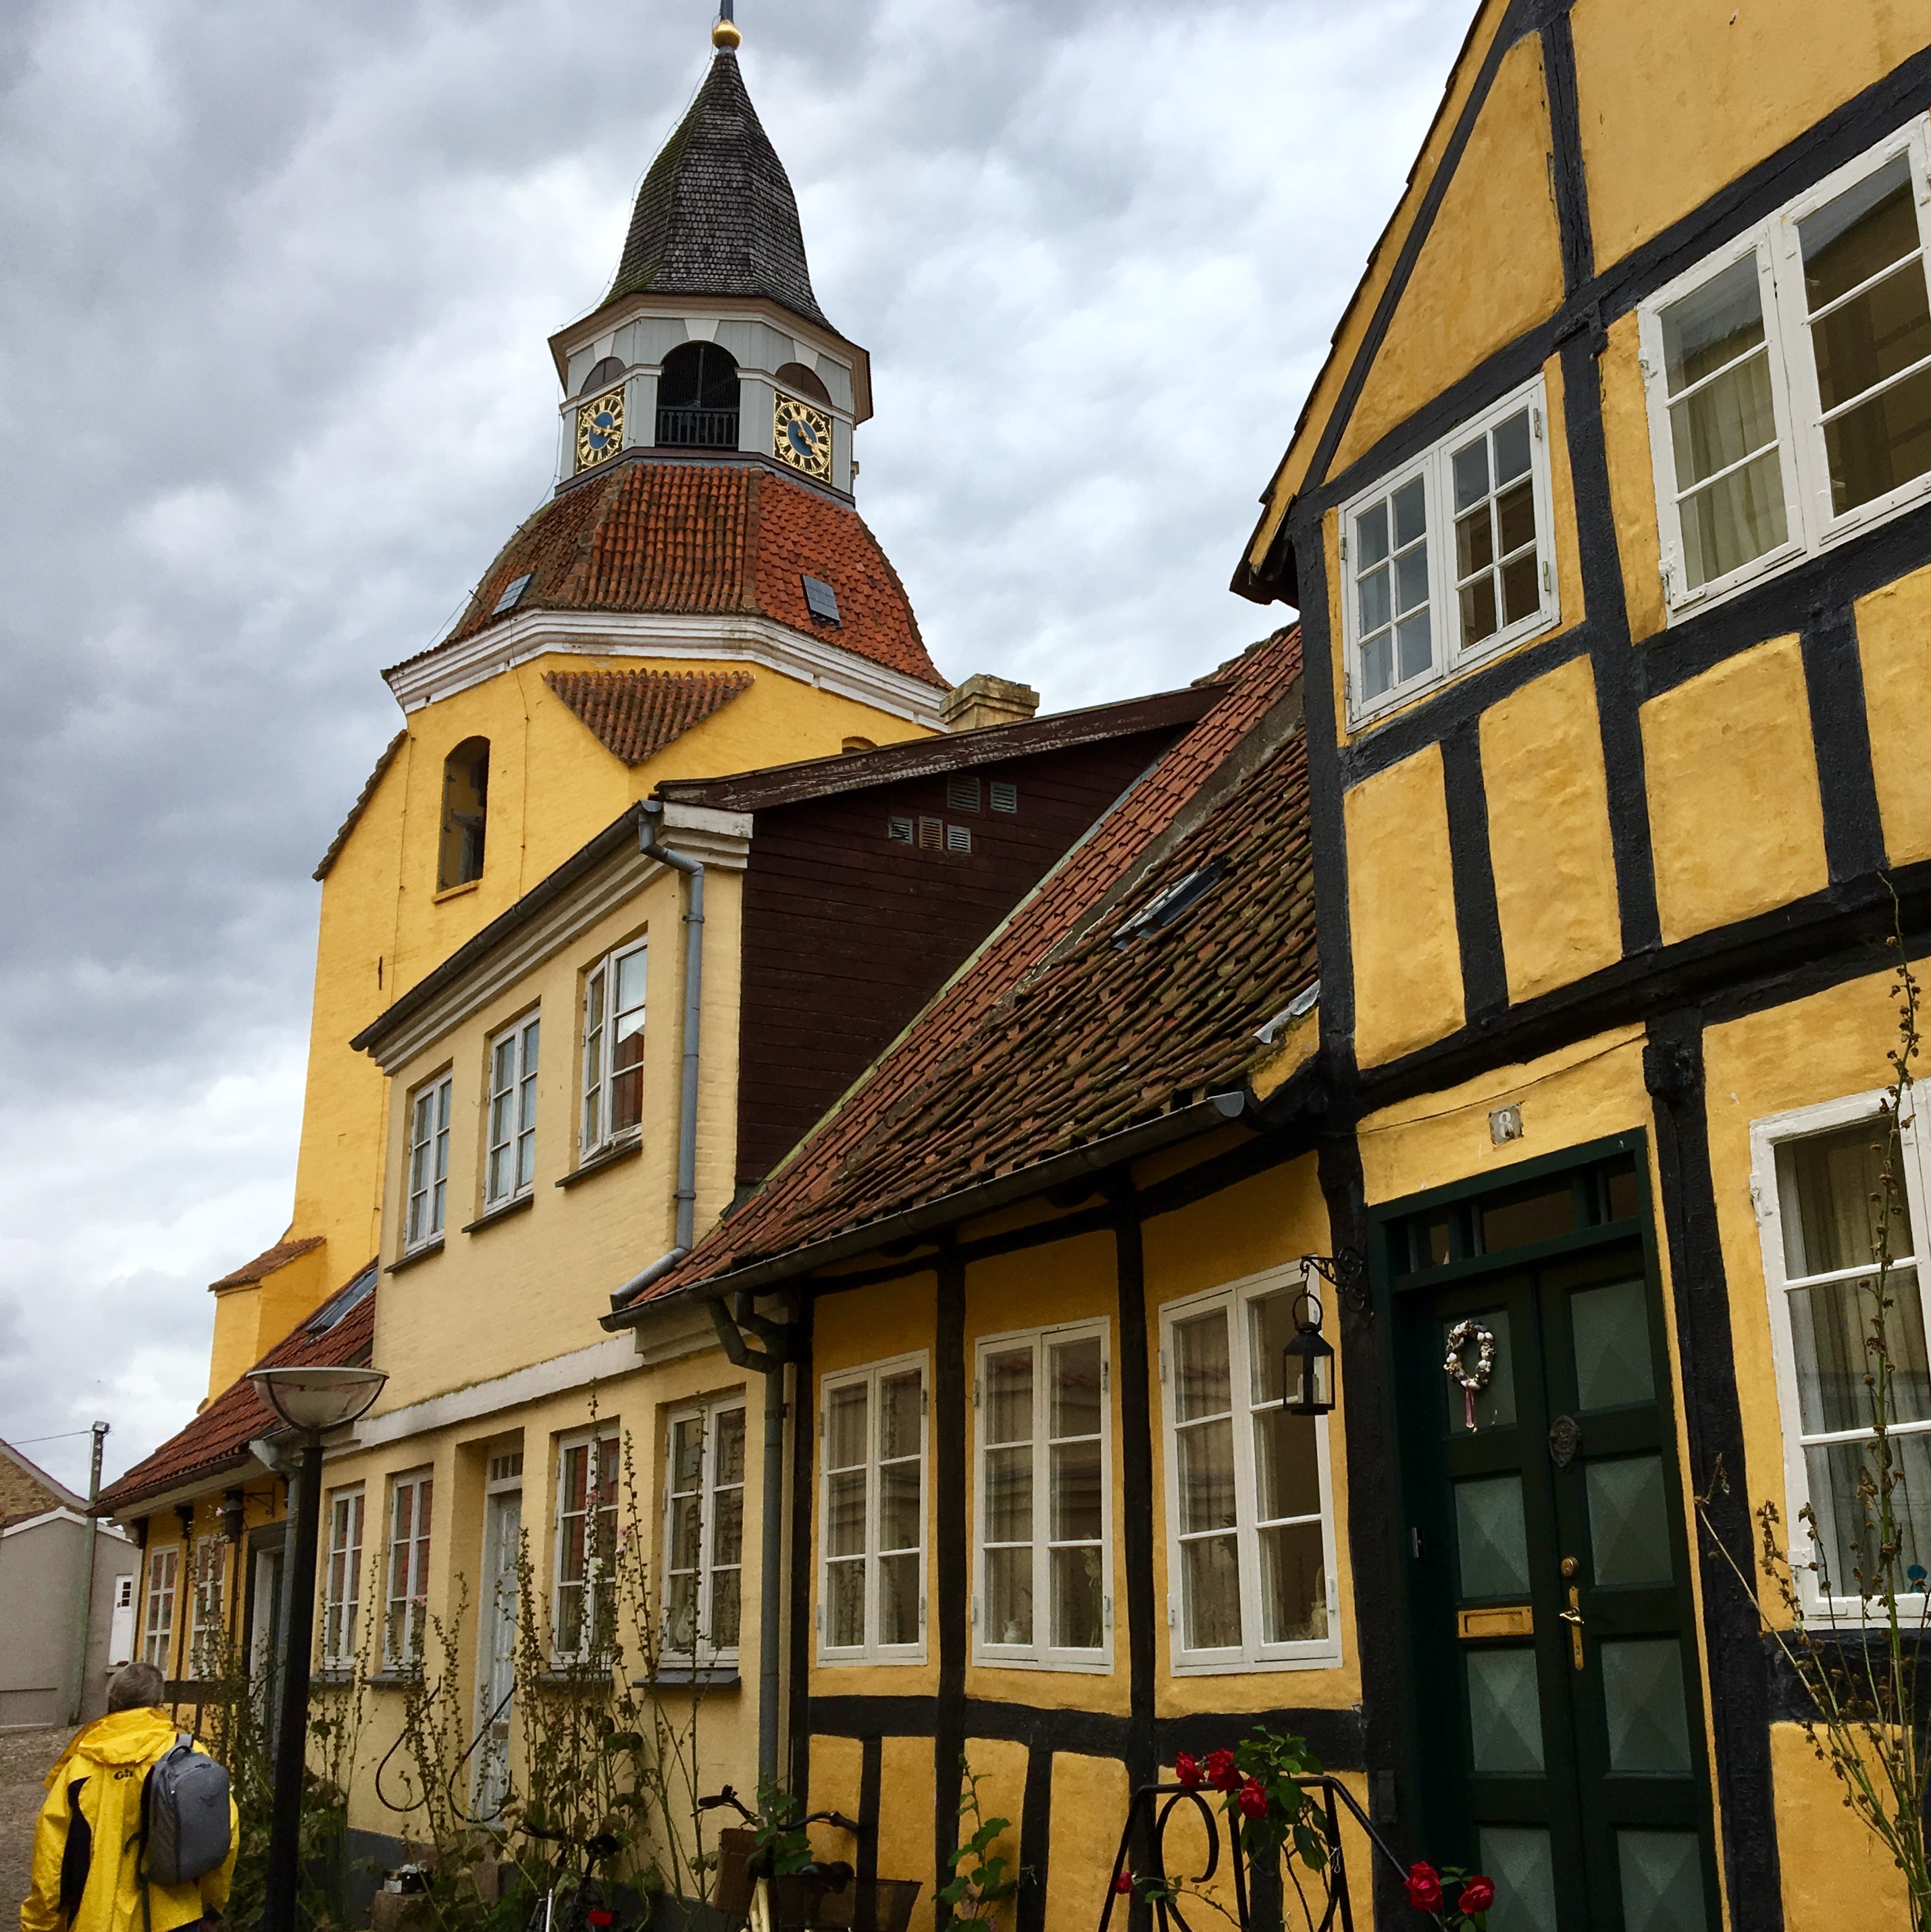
591 1905
783 1898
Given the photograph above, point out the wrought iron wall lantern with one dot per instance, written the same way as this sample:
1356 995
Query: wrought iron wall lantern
1345 1273
1307 1361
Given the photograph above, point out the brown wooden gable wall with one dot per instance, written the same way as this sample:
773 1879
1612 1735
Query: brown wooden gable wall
847 933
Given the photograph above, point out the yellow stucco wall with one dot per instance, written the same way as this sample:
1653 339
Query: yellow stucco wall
1491 265
1677 100
907 1797
1894 645
1736 819
249 1320
1407 959
999 1764
1089 1805
552 786
1632 490
1548 831
1836 1875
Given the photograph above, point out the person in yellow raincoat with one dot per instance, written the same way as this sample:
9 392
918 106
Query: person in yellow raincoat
87 1845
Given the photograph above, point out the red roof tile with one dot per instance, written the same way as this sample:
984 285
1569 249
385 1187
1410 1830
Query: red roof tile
637 713
267 1261
1056 1036
704 537
217 1441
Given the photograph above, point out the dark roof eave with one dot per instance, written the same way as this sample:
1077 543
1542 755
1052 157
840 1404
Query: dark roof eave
140 1499
985 1197
921 757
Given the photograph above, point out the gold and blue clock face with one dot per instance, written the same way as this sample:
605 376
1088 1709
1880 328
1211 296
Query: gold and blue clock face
802 437
599 427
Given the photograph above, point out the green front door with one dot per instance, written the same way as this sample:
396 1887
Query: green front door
1556 1683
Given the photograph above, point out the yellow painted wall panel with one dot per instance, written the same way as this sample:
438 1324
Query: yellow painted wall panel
1677 100
835 1769
1090 1796
1548 831
905 1804
1490 267
999 1764
1894 645
1736 819
1835 1873
1407 959
1632 490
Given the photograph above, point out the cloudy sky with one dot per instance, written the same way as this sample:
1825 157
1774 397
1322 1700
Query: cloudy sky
275 280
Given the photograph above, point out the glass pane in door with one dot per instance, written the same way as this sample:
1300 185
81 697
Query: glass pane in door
1628 1520
1522 1863
1642 1695
1494 1404
1505 1714
1491 1539
1611 1328
1662 1882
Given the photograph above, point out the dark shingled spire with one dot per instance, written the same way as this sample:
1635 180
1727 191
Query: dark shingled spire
716 215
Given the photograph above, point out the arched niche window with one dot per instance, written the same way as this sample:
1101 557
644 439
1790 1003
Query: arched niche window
802 381
465 807
601 377
697 398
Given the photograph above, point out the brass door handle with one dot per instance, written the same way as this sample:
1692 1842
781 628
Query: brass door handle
1572 1616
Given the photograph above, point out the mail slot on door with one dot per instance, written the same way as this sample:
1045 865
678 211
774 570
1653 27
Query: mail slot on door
1503 1620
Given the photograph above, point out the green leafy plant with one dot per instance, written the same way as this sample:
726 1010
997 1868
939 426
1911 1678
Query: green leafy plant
982 1880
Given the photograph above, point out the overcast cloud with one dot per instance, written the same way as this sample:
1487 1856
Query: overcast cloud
273 388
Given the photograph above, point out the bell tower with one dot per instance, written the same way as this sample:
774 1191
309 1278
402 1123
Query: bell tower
711 340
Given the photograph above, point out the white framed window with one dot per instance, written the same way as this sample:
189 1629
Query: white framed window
1788 379
1815 1174
207 1631
341 1579
872 1426
1449 558
509 1165
589 1476
1044 1591
1250 1499
157 1628
614 1008
428 1176
704 1533
405 1623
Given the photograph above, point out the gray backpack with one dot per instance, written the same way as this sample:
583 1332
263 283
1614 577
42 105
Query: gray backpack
184 1815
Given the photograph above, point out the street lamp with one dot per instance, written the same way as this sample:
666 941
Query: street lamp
310 1401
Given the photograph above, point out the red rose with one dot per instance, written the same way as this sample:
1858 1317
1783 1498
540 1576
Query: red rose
1123 1884
600 1918
1424 1887
1478 1894
1221 1773
1253 1799
1186 1772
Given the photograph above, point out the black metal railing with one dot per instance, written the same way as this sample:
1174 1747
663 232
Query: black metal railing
1331 1899
698 429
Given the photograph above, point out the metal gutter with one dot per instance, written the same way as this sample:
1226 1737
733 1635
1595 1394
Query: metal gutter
1217 1110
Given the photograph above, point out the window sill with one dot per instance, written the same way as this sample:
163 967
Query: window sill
501 1211
1325 1657
613 1156
338 1677
394 1680
456 892
573 1678
720 1676
990 1660
415 1255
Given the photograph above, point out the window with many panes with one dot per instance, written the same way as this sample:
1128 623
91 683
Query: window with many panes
872 1424
1044 1594
704 1533
509 1163
207 1633
428 1170
613 1047
157 1633
341 1579
1818 1184
1789 378
1249 1511
404 1623
1449 559
589 1475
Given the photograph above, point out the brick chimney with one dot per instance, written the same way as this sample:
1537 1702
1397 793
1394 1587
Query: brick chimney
984 700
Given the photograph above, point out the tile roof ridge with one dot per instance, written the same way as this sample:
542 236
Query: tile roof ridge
361 805
277 1254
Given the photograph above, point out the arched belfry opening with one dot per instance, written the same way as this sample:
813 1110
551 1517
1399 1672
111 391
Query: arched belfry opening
465 810
697 398
802 381
601 377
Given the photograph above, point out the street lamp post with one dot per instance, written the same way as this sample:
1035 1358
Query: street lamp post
310 1400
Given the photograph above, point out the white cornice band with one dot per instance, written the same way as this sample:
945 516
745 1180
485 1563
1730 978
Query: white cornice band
732 639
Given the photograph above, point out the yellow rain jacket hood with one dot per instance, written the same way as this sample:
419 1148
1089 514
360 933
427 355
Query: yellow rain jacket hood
89 1837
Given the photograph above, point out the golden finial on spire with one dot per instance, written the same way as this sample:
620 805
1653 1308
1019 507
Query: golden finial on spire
724 34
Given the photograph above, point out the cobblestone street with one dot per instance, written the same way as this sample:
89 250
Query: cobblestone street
24 1758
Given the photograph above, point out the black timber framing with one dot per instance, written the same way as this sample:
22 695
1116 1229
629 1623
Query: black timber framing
950 1382
802 1485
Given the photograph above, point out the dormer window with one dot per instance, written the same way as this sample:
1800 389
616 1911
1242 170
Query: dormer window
697 398
465 807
